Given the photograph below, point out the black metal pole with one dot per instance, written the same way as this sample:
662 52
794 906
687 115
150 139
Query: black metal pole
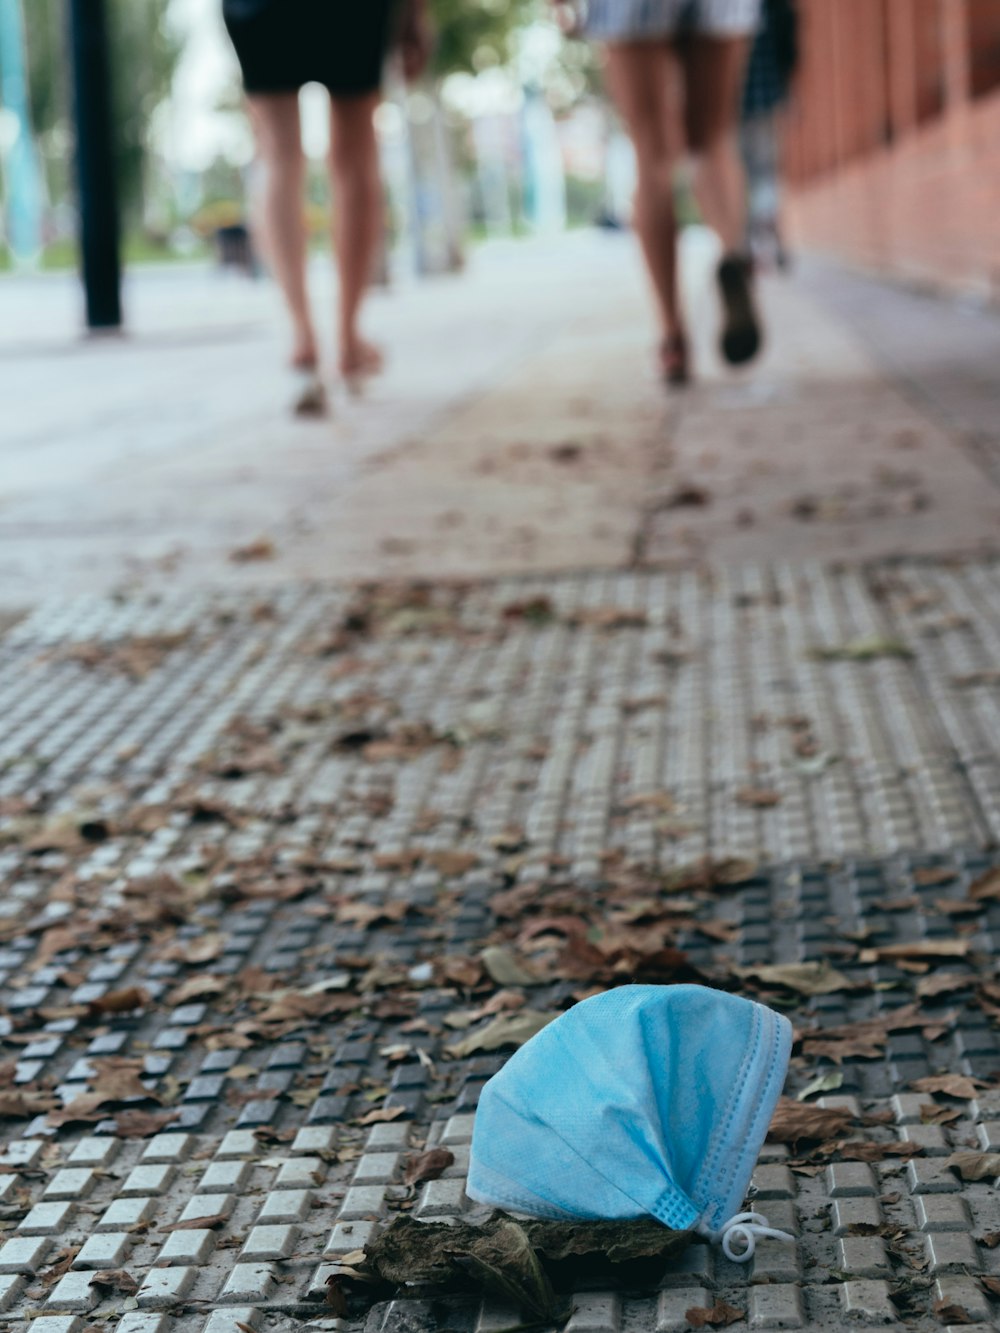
97 185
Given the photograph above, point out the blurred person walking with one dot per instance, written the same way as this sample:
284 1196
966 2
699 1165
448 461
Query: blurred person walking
770 71
282 45
675 69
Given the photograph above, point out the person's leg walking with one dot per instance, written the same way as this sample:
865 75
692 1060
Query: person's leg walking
714 68
642 79
357 188
281 223
713 76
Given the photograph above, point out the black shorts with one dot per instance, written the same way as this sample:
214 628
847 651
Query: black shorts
283 44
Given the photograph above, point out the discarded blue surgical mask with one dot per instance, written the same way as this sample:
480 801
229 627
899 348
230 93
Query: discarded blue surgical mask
642 1100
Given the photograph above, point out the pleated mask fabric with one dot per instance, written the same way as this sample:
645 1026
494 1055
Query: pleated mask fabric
644 1100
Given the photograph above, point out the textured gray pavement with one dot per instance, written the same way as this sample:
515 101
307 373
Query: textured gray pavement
344 781
260 830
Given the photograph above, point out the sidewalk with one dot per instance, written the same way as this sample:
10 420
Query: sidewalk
519 429
290 863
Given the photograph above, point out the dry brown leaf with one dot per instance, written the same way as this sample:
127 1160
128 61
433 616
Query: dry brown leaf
933 1114
115 1279
805 978
335 1298
928 875
986 888
950 1312
958 907
717 1316
208 1223
849 1048
21 1105
538 610
384 1113
607 618
651 800
916 949
908 904
120 1001
952 1085
943 983
506 1030
142 1124
793 1121
877 1152
450 863
760 798
198 988
975 1165
261 549
428 1166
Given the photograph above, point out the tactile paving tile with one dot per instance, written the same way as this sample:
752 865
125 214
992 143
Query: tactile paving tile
554 730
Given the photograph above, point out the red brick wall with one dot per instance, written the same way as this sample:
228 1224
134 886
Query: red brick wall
893 137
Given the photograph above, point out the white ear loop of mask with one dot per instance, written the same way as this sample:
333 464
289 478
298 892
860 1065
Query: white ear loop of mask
747 1227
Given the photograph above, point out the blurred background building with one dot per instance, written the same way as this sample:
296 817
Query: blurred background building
893 139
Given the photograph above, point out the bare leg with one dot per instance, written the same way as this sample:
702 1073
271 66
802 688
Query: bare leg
357 186
642 78
713 74
280 223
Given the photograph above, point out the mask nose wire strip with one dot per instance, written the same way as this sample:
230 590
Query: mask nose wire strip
747 1227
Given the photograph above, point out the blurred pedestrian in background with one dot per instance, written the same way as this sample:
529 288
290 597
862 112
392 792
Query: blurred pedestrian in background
771 68
282 45
675 69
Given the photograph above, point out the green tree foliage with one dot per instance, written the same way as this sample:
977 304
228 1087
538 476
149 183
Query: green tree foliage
144 55
473 34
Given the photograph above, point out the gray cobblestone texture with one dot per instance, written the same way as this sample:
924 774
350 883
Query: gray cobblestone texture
322 773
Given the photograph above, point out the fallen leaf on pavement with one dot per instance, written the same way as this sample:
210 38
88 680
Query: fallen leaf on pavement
760 798
382 1115
953 1085
261 549
917 950
928 875
608 618
142 1124
718 1316
794 1120
505 969
449 863
825 1083
428 1166
975 1165
120 1001
687 494
20 1105
805 978
943 983
208 1223
506 1030
115 1279
865 649
536 610
951 1312
986 888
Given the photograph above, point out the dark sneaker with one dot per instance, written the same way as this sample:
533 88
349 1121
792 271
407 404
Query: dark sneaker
741 333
